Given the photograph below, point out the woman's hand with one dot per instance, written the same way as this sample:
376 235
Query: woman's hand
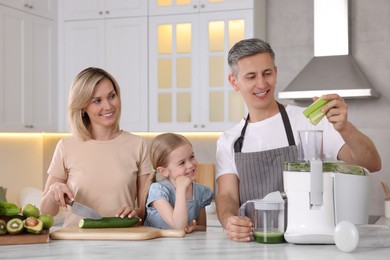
59 192
126 211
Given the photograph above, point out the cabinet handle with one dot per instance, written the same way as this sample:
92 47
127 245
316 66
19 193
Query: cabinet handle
100 12
202 6
107 12
28 6
29 126
195 126
195 6
202 126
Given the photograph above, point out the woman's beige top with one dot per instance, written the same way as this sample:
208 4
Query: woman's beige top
101 174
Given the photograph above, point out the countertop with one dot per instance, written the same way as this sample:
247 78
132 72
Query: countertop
212 244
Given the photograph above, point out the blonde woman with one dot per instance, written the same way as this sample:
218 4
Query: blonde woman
176 202
99 165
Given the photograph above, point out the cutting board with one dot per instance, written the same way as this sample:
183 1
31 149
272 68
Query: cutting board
131 233
24 239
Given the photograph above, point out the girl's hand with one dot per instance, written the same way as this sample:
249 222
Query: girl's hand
190 227
58 191
183 181
126 211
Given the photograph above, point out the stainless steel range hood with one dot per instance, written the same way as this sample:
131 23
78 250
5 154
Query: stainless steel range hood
332 69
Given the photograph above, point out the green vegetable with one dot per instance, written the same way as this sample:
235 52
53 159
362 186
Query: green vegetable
108 222
313 112
8 209
338 167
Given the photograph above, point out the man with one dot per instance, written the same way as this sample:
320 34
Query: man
250 156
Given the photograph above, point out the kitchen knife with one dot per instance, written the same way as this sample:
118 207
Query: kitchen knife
82 210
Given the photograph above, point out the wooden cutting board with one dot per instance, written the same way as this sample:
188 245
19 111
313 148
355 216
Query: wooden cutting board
24 239
131 233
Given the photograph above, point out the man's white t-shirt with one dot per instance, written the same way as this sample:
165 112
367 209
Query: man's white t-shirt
270 134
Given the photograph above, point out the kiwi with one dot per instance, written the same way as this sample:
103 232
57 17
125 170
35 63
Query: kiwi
15 226
3 227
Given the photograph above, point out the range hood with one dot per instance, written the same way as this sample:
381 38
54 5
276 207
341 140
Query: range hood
332 69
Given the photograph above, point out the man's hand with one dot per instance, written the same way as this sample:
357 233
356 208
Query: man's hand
336 110
239 228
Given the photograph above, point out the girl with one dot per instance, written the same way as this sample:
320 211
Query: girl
177 201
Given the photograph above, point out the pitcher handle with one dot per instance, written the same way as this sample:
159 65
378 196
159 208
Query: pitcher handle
241 210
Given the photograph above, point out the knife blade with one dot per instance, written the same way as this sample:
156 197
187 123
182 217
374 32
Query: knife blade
82 210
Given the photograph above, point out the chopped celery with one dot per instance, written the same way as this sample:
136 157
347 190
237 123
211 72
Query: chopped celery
339 167
314 111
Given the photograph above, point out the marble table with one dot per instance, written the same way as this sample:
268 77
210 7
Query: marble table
198 245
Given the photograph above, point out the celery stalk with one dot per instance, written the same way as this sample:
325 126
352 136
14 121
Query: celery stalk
316 117
313 112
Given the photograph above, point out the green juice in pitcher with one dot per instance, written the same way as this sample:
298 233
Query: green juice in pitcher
272 236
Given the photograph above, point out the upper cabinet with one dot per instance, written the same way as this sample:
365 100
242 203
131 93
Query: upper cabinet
28 73
96 9
44 8
118 45
163 7
188 85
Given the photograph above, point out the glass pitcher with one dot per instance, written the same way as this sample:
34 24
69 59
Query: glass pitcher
267 216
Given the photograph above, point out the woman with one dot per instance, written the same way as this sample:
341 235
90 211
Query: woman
99 165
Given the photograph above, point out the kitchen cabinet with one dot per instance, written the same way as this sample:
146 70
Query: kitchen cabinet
97 9
188 85
118 45
163 7
44 8
27 72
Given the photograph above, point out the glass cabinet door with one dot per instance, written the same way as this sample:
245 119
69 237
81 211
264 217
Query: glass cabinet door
162 7
188 81
224 105
174 63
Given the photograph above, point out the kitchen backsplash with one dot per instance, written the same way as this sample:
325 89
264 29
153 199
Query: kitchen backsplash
25 158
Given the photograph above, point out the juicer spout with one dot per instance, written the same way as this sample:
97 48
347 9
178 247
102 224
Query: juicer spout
316 184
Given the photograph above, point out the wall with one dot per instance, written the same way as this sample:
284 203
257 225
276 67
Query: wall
290 32
20 163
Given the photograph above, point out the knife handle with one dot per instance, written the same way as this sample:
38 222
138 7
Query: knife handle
68 201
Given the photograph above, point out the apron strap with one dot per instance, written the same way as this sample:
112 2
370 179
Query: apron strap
240 140
287 125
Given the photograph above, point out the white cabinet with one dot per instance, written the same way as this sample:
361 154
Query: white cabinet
163 7
44 8
27 72
188 85
117 45
96 9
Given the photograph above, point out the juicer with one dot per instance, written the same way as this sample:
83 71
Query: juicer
320 193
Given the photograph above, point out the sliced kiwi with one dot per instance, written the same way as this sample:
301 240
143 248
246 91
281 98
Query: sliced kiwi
3 227
15 226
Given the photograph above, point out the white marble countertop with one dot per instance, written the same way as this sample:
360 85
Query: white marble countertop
198 245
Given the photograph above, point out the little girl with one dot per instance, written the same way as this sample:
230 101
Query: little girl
177 201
